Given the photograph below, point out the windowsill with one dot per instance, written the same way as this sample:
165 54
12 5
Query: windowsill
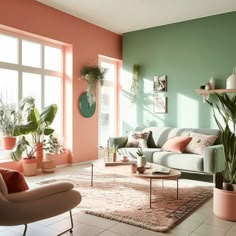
5 156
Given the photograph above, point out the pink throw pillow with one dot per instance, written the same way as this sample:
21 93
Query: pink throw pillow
176 144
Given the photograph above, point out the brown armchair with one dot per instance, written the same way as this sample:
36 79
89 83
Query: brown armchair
37 204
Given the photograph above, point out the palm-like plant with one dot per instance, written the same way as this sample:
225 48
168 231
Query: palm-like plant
226 107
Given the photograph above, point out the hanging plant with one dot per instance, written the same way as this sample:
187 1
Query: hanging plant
92 74
135 81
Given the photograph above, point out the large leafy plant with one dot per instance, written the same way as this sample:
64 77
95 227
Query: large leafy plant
226 107
36 124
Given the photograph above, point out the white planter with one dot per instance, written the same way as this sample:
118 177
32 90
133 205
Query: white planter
141 161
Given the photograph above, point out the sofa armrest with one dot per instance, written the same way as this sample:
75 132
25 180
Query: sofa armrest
121 141
40 192
213 159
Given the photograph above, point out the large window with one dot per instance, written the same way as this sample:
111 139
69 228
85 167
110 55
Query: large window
108 102
30 67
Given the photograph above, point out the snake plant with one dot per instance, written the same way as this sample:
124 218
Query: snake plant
225 105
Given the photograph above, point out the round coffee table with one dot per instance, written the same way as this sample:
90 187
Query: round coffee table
173 175
125 169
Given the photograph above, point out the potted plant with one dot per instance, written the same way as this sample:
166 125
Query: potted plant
141 161
9 117
92 74
37 125
224 201
52 146
42 121
135 81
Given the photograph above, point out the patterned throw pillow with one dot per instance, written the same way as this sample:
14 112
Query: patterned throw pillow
138 139
176 144
199 142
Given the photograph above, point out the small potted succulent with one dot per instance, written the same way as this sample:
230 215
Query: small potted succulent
141 161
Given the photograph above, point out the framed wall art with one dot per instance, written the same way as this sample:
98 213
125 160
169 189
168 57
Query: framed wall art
160 104
160 83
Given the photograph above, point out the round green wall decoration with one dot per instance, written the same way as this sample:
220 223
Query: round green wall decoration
85 109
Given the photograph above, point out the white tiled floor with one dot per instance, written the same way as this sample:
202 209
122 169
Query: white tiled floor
201 222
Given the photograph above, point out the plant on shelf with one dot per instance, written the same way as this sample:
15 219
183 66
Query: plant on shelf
92 74
135 81
9 118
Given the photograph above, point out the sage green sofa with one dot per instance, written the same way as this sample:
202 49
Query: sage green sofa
211 161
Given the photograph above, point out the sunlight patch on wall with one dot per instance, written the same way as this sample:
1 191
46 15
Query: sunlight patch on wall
187 112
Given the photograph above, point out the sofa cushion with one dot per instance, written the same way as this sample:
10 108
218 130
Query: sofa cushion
199 142
138 139
14 180
176 144
182 161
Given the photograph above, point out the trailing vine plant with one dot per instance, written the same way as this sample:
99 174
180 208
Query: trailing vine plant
92 74
135 81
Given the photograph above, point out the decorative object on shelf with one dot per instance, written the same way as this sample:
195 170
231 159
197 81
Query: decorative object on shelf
160 104
231 80
92 74
224 200
160 83
135 81
212 83
86 110
206 94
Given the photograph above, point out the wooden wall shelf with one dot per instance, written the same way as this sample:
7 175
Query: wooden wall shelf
202 91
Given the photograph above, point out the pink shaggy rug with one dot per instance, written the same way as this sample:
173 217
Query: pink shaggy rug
126 199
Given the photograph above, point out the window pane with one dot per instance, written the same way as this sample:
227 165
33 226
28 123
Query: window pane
55 97
53 58
9 85
109 75
31 86
107 112
31 54
8 49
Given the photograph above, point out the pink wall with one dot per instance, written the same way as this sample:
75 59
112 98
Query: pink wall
87 41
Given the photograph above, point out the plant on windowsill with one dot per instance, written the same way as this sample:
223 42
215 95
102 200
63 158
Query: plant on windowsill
9 117
35 126
92 74
52 147
224 194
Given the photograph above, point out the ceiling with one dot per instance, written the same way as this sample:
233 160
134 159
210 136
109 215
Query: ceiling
121 16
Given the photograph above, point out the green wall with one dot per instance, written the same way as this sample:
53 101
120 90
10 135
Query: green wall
189 53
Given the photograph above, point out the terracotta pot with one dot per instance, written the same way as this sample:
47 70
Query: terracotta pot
8 143
224 204
39 154
48 164
29 167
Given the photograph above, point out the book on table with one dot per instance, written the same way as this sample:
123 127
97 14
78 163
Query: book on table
161 170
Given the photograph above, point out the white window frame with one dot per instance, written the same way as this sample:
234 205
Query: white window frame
41 71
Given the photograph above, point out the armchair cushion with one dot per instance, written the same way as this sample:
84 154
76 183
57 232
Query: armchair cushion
40 192
14 180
